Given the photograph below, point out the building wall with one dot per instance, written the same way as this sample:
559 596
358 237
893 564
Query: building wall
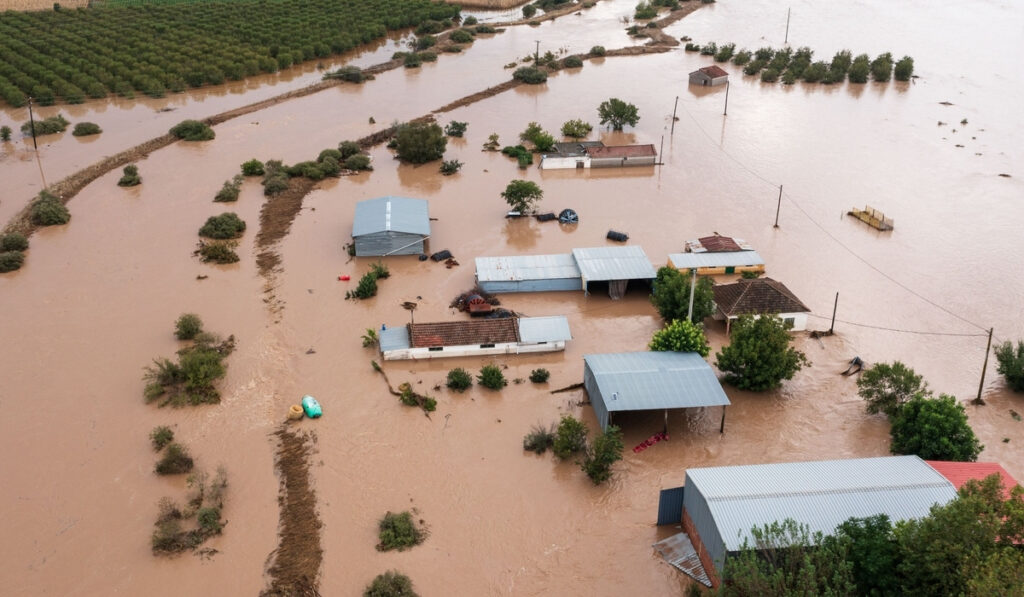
563 163
553 285
702 552
596 399
471 350
386 241
715 271
799 319
702 79
702 524
622 162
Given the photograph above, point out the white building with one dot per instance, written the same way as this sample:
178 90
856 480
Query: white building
475 337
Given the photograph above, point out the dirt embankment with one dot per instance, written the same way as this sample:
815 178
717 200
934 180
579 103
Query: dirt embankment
488 4
659 37
551 14
295 567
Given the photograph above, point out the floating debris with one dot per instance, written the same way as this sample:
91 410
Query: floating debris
872 217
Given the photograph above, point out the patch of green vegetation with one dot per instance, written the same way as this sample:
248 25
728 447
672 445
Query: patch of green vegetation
131 176
160 437
491 377
48 210
449 167
390 584
352 74
530 75
230 191
14 241
399 531
192 130
190 380
184 528
225 226
47 126
11 261
253 167
456 128
459 379
84 129
222 252
570 437
539 375
539 439
187 326
409 397
600 455
175 460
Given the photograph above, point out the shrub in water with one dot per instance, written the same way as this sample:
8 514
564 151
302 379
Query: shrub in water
5 133
491 377
367 287
539 439
459 379
412 60
742 57
83 129
428 56
176 461
161 436
486 29
11 260
398 531
529 10
333 153
390 584
187 326
462 36
131 176
226 225
230 191
449 167
601 454
209 520
577 129
904 69
347 149
570 437
330 166
539 375
253 167
359 161
456 128
49 211
352 74
14 241
470 20
598 51
572 62
275 184
530 75
881 67
420 142
380 271
192 130
47 126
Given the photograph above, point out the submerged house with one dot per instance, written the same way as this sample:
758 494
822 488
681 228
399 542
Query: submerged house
717 255
390 226
758 296
616 266
717 507
594 154
633 381
475 337
709 76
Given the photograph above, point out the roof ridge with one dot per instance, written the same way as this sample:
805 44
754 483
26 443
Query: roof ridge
851 489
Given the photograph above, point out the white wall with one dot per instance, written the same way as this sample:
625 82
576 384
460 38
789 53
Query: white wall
470 350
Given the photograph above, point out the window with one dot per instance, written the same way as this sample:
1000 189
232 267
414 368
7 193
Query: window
435 348
789 321
486 346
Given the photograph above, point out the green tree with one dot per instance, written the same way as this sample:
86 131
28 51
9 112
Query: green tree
577 128
5 133
491 377
618 113
187 326
759 356
873 553
786 559
601 454
522 195
530 75
459 379
1001 573
887 387
570 437
420 142
904 69
390 584
671 295
681 335
1011 364
934 429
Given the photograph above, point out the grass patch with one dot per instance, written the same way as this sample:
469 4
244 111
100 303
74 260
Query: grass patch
399 531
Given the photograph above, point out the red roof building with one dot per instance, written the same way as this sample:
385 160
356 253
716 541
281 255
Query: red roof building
622 151
959 473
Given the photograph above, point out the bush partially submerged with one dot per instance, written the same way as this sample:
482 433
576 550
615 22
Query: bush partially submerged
193 130
399 531
577 128
601 454
46 126
449 167
539 375
84 129
539 439
11 261
456 128
15 241
202 514
131 176
230 191
187 326
175 461
491 377
190 380
222 252
530 75
48 210
572 62
253 167
358 162
352 74
225 226
570 437
160 437
459 379
390 584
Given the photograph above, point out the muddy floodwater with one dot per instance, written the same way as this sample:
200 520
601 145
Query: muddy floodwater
97 299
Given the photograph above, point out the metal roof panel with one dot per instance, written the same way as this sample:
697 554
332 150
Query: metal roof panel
544 329
655 380
614 263
725 259
394 214
526 267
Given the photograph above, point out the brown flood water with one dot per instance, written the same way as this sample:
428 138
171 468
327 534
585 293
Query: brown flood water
97 299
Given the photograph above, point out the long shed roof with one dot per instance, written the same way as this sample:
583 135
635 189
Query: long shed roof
526 267
655 380
391 214
614 263
544 329
725 259
819 494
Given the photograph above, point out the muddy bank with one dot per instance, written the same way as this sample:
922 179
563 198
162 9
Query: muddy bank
485 4
295 570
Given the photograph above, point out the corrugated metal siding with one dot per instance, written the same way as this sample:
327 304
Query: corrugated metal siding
697 507
729 259
396 338
555 285
398 214
819 494
388 243
655 380
533 330
594 393
614 263
670 506
521 268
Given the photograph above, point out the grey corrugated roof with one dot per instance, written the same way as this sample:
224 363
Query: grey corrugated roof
526 267
727 259
395 214
614 263
544 329
655 380
396 338
819 494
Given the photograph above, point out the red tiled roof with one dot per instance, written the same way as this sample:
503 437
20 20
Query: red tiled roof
622 151
759 295
458 333
714 71
719 244
959 473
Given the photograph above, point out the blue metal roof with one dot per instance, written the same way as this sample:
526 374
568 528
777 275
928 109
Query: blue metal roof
725 259
391 214
614 263
526 267
655 380
396 338
544 329
819 494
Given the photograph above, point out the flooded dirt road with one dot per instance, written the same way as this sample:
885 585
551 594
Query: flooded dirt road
97 299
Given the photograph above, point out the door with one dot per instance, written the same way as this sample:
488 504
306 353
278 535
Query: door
670 506
730 270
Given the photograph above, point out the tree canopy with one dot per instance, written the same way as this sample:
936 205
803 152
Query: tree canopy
522 195
1011 364
681 335
618 113
887 387
934 429
759 356
671 295
420 142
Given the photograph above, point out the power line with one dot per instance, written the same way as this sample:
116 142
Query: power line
902 331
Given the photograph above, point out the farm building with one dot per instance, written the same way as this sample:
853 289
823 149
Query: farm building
474 337
594 154
390 226
631 381
960 473
719 506
708 264
758 296
575 271
709 76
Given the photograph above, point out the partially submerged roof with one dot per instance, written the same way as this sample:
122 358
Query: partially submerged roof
526 267
820 494
464 332
655 380
533 330
718 243
614 263
714 71
959 473
396 338
574 148
391 214
758 295
623 151
699 260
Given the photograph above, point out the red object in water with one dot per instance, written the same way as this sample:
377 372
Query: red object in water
344 278
647 443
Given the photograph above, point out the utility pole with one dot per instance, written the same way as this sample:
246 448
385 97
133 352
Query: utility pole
834 306
32 120
787 25
693 289
725 112
536 54
981 384
661 152
673 131
778 207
